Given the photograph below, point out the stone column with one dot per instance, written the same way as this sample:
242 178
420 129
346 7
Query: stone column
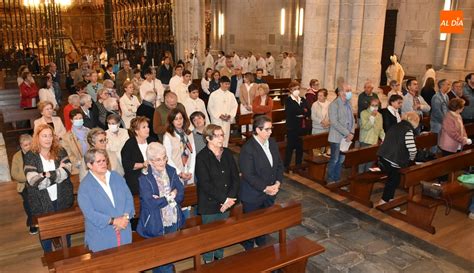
372 42
315 40
460 44
188 28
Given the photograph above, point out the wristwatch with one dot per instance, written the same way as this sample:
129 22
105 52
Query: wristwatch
126 216
111 222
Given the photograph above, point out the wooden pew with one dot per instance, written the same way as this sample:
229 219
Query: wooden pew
361 185
317 164
9 99
71 221
16 115
421 209
278 115
184 244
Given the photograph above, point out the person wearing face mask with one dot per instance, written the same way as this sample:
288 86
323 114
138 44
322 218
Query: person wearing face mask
296 112
75 143
116 140
342 127
397 150
371 129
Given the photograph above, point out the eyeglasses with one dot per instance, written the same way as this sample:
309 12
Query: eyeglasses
269 129
158 160
103 141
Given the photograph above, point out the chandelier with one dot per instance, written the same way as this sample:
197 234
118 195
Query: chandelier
37 3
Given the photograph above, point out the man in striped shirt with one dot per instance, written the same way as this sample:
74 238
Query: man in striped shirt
396 152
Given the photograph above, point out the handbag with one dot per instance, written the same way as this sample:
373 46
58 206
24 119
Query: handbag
424 156
436 191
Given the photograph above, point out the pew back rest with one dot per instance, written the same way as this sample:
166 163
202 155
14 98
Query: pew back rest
278 115
411 176
59 224
71 221
14 115
360 155
187 243
426 140
279 130
311 142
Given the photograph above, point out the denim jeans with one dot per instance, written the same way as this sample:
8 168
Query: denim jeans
167 268
26 206
209 218
335 163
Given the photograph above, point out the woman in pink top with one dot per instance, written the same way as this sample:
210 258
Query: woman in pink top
453 134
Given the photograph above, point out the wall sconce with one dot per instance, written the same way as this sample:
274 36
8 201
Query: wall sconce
221 24
282 21
447 6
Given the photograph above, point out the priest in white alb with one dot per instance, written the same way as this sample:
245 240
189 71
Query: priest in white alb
151 83
222 107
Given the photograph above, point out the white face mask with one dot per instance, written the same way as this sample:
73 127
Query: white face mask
113 127
374 108
296 93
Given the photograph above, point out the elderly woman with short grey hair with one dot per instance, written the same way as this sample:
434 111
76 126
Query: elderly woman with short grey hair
161 193
112 107
106 202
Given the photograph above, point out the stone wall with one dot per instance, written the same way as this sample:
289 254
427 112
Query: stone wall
255 25
418 30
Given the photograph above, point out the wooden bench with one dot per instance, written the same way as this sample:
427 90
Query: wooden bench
71 221
188 243
361 185
317 164
421 209
16 115
9 99
278 115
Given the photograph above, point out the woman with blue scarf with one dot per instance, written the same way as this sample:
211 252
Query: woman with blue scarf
161 193
75 143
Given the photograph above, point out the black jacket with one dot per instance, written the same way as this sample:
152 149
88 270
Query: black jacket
92 120
131 154
388 119
233 83
293 110
146 109
394 147
164 75
216 180
257 173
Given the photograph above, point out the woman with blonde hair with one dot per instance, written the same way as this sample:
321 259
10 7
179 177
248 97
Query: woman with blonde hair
46 109
128 103
262 103
247 94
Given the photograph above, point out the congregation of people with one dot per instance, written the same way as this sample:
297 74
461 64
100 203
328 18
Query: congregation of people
150 132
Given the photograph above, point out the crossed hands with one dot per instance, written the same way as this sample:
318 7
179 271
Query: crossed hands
229 202
273 189
121 222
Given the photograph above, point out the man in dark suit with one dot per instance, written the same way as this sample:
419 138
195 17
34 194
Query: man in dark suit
262 172
89 111
236 80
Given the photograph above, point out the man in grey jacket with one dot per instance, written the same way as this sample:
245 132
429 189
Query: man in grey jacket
439 106
342 127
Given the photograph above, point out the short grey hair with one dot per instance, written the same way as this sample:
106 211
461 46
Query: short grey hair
150 96
25 137
92 135
73 98
154 150
84 98
108 82
90 155
110 103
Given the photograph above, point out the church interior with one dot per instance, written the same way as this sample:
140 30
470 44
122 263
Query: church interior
376 99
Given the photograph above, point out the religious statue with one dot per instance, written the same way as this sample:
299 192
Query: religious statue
394 71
